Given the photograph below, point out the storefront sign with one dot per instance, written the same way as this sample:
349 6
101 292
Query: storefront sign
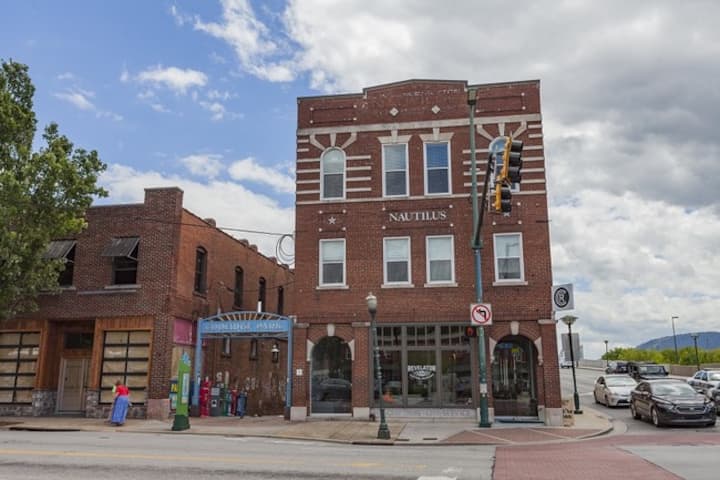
419 216
245 326
421 372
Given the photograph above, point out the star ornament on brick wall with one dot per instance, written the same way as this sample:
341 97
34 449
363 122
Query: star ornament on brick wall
332 220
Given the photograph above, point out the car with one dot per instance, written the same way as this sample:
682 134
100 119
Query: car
646 370
671 402
566 364
613 390
617 366
705 380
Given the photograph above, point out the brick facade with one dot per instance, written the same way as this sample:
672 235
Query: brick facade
162 301
414 113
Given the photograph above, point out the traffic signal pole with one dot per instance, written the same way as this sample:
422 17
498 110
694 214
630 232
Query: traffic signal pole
476 245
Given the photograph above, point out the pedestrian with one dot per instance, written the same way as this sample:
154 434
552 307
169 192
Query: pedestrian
120 404
112 406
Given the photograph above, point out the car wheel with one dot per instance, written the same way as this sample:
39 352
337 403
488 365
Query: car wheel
634 412
711 424
655 418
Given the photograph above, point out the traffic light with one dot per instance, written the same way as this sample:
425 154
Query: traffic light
470 332
512 158
503 198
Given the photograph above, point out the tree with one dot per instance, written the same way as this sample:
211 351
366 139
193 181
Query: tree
43 195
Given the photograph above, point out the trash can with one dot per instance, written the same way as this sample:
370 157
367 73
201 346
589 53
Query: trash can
241 404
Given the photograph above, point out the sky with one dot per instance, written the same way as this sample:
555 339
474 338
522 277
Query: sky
202 95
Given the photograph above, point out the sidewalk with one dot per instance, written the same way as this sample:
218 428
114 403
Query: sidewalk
435 431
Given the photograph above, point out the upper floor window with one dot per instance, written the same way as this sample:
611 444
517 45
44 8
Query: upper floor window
508 257
395 171
124 252
200 270
440 259
281 300
239 285
262 292
437 168
332 174
396 255
63 250
332 262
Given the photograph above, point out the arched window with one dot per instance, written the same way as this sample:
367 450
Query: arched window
200 270
262 287
239 285
332 173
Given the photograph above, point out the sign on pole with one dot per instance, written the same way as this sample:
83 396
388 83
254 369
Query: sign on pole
562 297
480 314
182 421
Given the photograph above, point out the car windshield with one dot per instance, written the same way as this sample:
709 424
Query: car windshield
714 376
682 389
620 382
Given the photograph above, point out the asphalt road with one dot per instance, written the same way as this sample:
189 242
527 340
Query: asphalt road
99 455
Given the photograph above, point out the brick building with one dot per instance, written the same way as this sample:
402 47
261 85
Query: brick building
136 280
383 205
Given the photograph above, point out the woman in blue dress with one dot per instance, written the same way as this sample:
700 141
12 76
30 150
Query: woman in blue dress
120 406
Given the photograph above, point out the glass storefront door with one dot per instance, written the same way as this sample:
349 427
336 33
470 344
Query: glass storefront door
513 378
331 382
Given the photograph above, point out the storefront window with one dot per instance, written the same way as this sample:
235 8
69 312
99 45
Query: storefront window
391 366
18 360
331 386
126 355
422 379
456 378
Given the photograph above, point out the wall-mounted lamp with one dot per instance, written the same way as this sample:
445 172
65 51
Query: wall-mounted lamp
275 353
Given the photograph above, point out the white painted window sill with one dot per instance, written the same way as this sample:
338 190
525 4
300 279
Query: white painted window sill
397 285
510 283
441 285
332 287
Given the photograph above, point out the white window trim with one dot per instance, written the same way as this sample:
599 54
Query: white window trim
320 263
513 281
450 282
322 176
409 263
407 172
425 169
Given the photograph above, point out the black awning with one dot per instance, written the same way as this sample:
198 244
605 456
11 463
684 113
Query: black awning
121 247
59 249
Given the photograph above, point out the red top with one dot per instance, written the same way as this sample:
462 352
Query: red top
122 390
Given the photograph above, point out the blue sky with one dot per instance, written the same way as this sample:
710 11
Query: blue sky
202 94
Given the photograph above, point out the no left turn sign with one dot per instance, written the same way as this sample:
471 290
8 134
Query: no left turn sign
480 314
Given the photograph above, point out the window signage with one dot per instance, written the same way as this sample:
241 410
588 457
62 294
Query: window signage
421 372
418 216
246 326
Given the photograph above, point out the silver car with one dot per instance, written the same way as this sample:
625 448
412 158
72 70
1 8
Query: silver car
614 390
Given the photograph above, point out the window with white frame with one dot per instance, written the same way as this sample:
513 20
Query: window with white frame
332 172
396 255
332 262
508 257
440 259
437 168
395 171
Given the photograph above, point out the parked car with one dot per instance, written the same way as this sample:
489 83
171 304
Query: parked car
705 380
671 402
646 370
566 364
617 366
613 390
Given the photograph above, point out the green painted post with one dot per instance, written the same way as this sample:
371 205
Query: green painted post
182 419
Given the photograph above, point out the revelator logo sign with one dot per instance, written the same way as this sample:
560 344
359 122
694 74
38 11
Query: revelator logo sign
421 372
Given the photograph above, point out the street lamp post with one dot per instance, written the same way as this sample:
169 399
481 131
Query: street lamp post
607 359
383 430
697 356
677 357
569 320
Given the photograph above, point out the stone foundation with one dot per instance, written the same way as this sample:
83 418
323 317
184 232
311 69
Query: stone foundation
44 403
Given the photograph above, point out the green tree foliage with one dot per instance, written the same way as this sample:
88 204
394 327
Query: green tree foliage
43 195
686 355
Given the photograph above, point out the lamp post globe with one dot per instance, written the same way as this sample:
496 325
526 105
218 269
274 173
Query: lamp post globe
569 320
383 430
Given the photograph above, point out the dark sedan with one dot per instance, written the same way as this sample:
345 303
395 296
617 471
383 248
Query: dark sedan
671 402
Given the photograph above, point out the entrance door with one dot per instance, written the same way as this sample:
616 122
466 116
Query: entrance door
331 380
71 394
514 382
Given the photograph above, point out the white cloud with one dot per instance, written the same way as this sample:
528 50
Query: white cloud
218 95
160 108
259 212
249 170
66 76
203 165
77 98
176 79
218 110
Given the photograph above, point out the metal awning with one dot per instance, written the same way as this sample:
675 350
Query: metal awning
121 247
59 249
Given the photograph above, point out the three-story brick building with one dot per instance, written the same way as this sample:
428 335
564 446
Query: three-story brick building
383 205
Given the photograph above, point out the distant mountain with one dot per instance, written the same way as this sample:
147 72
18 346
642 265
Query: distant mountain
706 341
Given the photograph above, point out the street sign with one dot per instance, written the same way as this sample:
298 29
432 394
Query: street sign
480 314
562 297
